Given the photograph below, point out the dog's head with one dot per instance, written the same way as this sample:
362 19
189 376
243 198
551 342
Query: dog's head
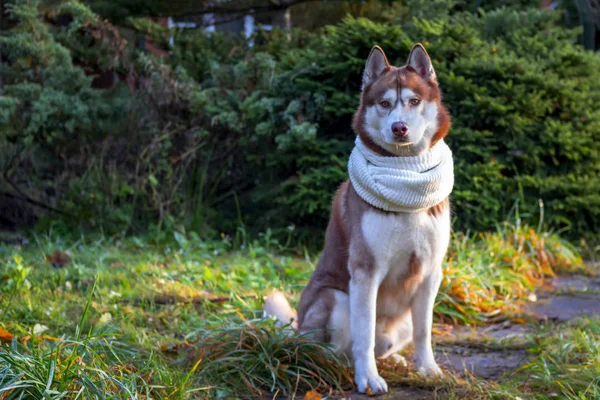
400 111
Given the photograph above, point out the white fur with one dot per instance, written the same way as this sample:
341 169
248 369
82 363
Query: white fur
393 238
278 307
422 313
406 95
363 305
391 96
339 324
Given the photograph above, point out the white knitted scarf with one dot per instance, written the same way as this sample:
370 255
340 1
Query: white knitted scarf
402 184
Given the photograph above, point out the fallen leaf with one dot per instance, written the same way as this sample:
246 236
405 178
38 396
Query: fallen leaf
5 335
25 339
58 259
312 395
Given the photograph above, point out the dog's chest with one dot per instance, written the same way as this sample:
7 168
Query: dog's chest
404 245
393 237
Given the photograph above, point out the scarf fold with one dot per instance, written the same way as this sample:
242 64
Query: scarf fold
402 184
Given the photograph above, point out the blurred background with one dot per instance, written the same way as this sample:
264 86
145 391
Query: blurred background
149 117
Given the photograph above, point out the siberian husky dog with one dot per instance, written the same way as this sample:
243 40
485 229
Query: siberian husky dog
374 288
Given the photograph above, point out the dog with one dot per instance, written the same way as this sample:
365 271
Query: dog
374 288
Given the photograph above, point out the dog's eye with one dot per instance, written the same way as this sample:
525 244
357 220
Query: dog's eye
384 104
415 102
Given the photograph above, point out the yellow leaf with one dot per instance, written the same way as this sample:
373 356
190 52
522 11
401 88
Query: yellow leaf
312 395
5 335
52 338
241 316
462 310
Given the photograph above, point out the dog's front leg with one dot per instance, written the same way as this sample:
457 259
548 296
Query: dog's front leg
422 315
363 308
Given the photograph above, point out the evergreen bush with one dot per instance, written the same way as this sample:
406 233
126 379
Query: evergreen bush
222 133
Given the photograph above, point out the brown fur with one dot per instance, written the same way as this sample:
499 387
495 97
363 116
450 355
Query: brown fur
438 209
443 125
414 276
332 269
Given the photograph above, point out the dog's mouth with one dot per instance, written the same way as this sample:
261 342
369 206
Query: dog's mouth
400 142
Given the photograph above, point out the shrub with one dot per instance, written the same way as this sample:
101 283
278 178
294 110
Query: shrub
48 108
222 133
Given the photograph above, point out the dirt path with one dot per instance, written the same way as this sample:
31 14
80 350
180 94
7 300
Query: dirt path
571 297
489 352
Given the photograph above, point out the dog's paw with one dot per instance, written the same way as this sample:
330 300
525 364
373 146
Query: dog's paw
430 370
370 383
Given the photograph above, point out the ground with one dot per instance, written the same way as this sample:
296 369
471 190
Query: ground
128 317
499 355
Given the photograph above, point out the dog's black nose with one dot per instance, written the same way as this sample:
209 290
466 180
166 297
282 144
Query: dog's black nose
399 129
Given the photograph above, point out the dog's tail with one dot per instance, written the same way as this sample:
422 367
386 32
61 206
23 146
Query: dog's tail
276 305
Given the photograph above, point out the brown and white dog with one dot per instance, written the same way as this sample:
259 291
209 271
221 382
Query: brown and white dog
374 288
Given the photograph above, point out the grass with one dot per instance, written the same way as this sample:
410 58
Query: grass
128 317
566 364
266 360
488 277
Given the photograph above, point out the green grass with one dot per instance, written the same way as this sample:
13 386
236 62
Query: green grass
128 317
566 363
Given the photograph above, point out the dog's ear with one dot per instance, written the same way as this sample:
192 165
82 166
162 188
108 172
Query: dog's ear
420 61
377 63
